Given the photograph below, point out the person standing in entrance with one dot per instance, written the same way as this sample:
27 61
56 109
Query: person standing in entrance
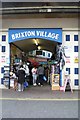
34 74
40 75
21 78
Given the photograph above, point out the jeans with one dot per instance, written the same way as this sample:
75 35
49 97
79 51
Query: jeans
40 79
34 78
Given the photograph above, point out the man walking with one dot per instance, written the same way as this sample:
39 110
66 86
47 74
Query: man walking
40 75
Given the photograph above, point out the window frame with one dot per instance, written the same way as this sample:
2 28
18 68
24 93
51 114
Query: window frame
76 36
76 48
76 81
3 38
3 49
67 37
76 71
68 69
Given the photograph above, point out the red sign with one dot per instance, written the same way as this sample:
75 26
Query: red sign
67 60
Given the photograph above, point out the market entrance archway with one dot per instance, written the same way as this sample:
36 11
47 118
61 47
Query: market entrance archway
24 39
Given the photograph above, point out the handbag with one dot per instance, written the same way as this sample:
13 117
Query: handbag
25 84
44 78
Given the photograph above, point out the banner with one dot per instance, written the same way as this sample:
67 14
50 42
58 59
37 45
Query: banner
22 34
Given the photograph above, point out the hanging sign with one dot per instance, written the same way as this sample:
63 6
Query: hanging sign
47 33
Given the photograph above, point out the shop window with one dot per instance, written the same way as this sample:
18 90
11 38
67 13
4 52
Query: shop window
43 53
68 69
75 37
67 37
76 70
3 37
3 48
2 69
75 48
76 82
48 54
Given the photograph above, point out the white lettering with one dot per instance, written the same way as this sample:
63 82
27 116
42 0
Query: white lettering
32 33
49 35
29 33
53 35
57 36
17 35
38 33
45 34
41 33
26 34
22 34
13 36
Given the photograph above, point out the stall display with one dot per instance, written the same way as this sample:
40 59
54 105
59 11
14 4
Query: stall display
55 77
55 82
6 75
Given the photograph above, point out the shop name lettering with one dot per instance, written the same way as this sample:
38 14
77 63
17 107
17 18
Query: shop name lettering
35 34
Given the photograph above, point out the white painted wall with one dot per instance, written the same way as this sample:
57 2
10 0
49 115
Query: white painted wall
6 54
40 23
70 44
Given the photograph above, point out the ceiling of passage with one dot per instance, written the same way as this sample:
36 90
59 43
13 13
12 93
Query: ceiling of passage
29 45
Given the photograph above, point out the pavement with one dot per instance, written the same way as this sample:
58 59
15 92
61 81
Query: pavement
39 102
39 93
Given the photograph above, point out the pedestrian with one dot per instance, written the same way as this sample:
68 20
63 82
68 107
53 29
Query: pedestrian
26 72
40 75
34 74
21 78
46 72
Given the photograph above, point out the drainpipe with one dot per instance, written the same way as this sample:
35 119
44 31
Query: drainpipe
9 64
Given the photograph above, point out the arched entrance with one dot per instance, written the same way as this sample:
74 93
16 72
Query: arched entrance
25 39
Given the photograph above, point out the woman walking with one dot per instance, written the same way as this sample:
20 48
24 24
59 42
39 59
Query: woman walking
34 74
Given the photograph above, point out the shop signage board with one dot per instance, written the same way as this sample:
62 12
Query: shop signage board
55 82
47 33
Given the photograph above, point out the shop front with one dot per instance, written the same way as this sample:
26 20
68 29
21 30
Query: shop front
22 40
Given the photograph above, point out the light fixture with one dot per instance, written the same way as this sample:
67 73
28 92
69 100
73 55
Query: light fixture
39 47
36 42
48 10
